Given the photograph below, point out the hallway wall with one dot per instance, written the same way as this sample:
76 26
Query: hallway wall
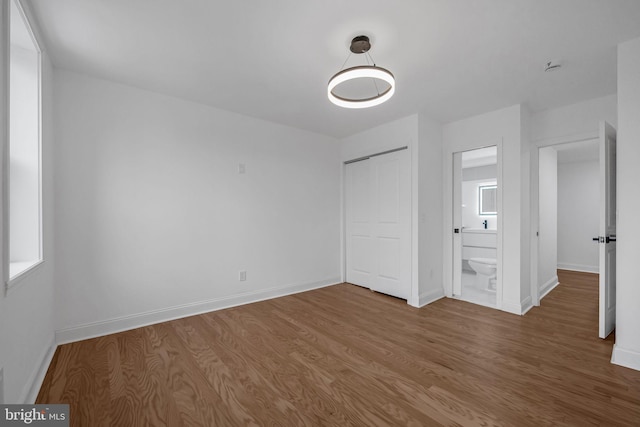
578 215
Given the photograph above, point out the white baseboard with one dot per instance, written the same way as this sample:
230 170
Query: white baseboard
429 297
578 267
627 358
33 384
414 301
124 323
526 305
518 308
511 307
548 287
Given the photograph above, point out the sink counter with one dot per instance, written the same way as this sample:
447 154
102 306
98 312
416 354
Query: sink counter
478 230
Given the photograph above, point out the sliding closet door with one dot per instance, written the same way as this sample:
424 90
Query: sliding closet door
378 215
392 229
360 254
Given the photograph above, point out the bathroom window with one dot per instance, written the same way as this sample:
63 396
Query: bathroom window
488 200
24 223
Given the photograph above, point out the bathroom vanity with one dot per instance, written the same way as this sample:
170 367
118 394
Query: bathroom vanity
479 243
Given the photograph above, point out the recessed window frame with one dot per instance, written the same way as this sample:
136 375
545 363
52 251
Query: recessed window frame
12 280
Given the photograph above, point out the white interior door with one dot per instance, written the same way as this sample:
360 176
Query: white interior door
378 215
457 224
607 229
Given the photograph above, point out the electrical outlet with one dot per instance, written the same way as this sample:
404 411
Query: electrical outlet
242 168
242 275
1 385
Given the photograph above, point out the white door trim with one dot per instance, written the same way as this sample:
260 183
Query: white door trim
449 241
535 199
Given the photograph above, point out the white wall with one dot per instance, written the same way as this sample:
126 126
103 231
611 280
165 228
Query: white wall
548 226
154 220
26 311
504 128
526 285
399 133
575 119
430 224
627 348
578 215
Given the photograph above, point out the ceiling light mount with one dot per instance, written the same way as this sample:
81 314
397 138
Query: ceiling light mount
361 45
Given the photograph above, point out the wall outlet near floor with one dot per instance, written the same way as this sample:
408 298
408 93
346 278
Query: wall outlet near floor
242 275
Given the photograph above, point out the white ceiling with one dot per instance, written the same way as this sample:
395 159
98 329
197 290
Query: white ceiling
272 59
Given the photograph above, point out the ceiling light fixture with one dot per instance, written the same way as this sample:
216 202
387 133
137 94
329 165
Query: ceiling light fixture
361 45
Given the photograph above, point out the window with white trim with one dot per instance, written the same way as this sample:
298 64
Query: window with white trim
25 196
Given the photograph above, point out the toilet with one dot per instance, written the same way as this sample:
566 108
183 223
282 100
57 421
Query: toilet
485 269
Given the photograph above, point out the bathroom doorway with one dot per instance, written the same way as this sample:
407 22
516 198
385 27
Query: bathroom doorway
476 190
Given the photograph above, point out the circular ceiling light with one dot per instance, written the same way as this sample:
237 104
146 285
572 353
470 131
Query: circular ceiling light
360 45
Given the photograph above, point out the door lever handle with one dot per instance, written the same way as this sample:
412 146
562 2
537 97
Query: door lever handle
604 239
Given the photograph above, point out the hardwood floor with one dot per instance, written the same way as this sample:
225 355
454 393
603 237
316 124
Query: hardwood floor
343 355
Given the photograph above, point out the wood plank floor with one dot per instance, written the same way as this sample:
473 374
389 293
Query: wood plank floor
343 356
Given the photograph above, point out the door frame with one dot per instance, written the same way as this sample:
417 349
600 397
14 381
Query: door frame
449 240
535 199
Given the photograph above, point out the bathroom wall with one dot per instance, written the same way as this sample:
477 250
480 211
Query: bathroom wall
578 215
470 197
472 178
487 172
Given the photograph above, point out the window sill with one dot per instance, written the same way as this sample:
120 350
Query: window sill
19 270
